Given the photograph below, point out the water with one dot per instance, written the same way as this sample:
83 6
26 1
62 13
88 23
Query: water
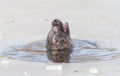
84 51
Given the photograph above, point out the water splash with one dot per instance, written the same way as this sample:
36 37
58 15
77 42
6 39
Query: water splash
84 51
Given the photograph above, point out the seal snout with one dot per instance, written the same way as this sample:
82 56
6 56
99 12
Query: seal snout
55 20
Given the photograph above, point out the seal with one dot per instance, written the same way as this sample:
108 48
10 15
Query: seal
57 44
67 34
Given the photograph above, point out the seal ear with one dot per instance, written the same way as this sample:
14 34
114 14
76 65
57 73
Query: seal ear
61 30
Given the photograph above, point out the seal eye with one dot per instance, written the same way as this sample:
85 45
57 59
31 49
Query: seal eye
60 29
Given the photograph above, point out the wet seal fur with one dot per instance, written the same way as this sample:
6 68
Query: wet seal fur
59 43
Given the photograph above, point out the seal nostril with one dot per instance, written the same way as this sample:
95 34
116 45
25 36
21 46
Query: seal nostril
55 20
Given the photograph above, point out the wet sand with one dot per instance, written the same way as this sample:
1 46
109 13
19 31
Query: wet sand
21 68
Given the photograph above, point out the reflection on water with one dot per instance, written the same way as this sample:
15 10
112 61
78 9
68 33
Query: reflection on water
62 55
84 51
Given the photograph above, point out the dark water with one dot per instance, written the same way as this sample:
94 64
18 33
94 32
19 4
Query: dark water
84 51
